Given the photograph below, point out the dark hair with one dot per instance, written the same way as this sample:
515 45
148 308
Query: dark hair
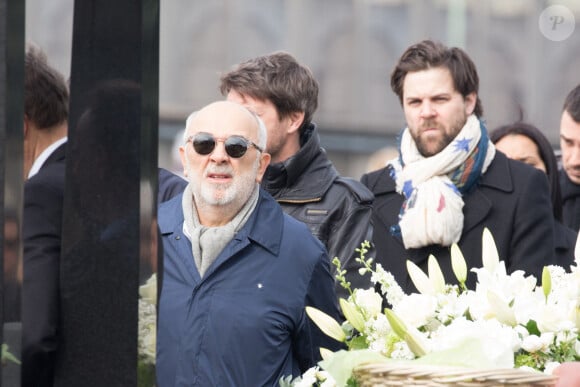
278 78
572 104
429 54
546 154
46 94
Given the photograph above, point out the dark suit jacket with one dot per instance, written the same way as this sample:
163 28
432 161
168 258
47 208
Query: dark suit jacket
170 185
41 226
511 199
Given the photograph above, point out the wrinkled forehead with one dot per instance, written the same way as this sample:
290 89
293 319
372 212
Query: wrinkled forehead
223 120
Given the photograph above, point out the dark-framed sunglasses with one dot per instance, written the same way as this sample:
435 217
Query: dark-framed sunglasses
236 146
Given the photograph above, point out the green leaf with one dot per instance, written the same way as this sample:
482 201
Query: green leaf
532 328
359 342
327 324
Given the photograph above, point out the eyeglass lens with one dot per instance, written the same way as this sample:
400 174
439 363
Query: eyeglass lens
204 144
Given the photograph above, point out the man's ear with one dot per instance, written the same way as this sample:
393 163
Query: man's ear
470 101
296 120
26 125
264 162
183 158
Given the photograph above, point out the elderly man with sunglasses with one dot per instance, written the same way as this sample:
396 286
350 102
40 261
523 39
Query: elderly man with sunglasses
238 272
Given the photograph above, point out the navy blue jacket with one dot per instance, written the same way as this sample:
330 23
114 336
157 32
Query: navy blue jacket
244 322
170 185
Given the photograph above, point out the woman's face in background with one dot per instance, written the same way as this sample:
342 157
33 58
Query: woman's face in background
522 148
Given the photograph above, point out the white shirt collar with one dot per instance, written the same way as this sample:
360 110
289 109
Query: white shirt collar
45 155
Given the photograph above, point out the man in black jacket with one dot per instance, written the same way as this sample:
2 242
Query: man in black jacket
45 134
570 146
284 94
448 182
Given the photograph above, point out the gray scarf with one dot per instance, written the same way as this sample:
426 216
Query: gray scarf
208 242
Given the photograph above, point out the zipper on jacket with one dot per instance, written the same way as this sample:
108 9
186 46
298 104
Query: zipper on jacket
299 201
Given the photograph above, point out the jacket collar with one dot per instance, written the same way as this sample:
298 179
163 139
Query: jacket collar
264 226
305 176
55 152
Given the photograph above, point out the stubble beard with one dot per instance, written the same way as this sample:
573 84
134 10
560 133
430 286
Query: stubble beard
233 194
573 171
431 146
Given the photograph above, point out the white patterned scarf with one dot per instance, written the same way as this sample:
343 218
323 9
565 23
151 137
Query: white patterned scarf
432 212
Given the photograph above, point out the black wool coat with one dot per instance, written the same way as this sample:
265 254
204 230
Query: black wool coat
511 199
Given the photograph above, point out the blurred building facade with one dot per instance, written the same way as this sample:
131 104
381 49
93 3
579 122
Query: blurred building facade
351 46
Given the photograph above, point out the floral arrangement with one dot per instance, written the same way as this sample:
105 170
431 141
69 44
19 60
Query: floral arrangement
508 321
147 334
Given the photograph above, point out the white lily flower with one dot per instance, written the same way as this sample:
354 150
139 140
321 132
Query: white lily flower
458 263
325 353
411 335
369 301
417 309
436 275
489 254
546 282
327 324
352 315
308 378
420 279
501 309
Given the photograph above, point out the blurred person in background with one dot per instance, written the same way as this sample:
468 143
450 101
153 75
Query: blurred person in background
526 143
46 99
570 148
284 94
568 374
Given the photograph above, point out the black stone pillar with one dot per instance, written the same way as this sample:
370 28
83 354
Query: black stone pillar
110 193
11 140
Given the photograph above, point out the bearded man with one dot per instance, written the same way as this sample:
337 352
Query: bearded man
238 272
449 182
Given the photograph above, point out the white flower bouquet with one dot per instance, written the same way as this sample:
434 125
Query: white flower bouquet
507 322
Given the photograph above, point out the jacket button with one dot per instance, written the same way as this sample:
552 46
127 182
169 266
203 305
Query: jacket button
177 237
